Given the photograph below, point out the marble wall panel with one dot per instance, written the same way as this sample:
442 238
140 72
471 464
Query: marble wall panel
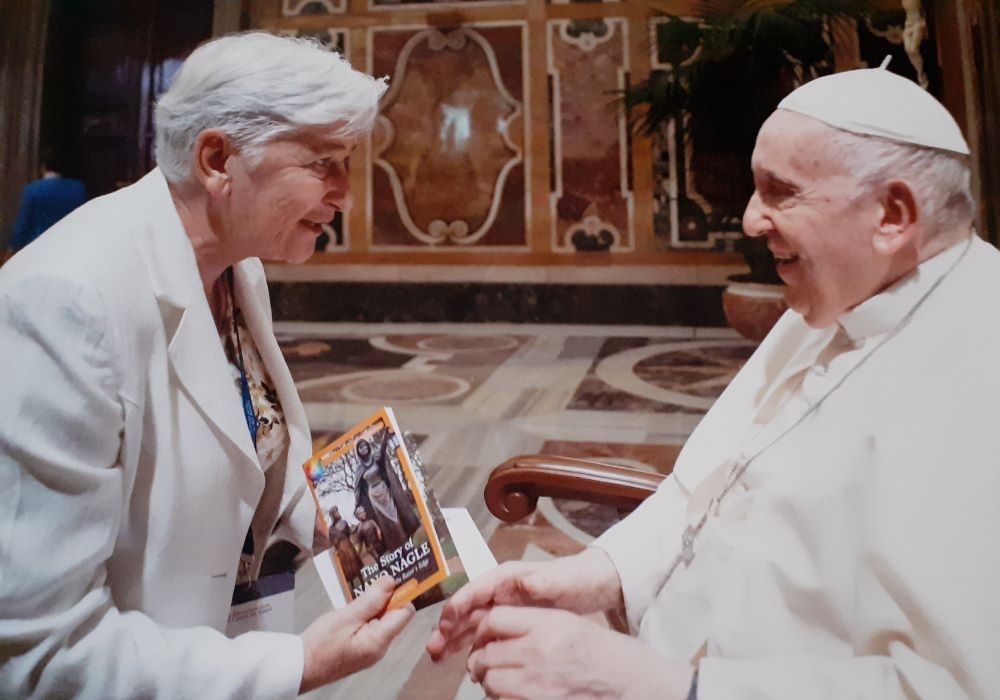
448 150
294 8
591 197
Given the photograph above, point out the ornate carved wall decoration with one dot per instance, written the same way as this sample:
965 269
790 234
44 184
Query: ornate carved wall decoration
591 195
291 8
448 148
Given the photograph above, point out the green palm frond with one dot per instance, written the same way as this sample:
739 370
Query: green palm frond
760 35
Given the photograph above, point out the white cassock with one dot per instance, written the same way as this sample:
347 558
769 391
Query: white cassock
128 475
857 553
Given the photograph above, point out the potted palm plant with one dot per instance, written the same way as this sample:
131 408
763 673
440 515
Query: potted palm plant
726 73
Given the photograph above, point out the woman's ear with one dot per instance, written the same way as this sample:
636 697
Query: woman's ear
212 152
900 214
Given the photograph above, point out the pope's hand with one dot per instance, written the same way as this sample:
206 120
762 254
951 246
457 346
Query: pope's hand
534 653
342 642
584 583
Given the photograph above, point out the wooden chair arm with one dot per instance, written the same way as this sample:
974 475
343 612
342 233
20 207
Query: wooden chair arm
514 487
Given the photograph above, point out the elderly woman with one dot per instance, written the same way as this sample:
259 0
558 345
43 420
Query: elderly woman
150 433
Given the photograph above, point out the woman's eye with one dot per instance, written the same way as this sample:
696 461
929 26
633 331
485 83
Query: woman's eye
329 167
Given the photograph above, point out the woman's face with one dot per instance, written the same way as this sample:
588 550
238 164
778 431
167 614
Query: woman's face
278 205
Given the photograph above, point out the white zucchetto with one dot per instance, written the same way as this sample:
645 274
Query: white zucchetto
875 102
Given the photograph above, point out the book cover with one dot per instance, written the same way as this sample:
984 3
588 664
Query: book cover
378 511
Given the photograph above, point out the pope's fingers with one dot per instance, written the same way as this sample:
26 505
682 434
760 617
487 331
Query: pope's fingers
441 646
503 585
496 654
504 683
473 595
505 622
436 644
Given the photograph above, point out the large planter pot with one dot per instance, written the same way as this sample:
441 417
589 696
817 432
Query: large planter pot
753 308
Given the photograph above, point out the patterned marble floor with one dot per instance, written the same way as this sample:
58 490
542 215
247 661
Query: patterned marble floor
476 395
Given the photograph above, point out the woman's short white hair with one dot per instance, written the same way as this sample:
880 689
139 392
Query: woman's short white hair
257 87
942 181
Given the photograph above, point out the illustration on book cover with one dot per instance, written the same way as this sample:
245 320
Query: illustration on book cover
375 504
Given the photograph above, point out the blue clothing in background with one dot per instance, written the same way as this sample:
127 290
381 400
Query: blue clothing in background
43 203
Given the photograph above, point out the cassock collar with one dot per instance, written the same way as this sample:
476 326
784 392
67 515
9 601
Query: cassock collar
886 310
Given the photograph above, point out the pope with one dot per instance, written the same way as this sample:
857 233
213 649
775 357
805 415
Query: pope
829 528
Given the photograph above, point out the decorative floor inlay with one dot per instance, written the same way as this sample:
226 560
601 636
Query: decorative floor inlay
635 374
472 397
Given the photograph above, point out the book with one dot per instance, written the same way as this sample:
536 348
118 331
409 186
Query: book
380 516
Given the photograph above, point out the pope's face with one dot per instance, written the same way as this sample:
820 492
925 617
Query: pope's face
817 222
279 204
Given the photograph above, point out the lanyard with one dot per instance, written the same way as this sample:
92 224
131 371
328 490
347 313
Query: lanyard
248 411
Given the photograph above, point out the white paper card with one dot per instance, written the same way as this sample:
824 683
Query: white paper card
472 548
266 605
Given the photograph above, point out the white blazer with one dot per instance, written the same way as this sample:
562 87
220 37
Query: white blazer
128 475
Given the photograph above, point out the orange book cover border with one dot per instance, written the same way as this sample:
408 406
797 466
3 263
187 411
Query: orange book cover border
338 448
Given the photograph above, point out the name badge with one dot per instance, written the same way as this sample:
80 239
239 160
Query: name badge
264 605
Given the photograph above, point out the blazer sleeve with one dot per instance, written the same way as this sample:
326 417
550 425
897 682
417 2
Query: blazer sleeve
63 497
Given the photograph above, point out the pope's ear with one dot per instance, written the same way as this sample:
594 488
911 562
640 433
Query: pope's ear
899 215
212 152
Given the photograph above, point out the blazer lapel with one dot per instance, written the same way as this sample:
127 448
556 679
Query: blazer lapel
194 348
252 297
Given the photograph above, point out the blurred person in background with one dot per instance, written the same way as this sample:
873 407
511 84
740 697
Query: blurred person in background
46 200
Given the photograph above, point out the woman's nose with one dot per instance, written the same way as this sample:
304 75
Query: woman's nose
339 195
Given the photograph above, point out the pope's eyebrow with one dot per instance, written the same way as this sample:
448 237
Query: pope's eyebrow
768 178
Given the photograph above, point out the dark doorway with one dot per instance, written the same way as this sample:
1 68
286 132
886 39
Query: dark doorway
106 63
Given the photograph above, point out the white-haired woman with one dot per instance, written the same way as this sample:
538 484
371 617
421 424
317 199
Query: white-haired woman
150 433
